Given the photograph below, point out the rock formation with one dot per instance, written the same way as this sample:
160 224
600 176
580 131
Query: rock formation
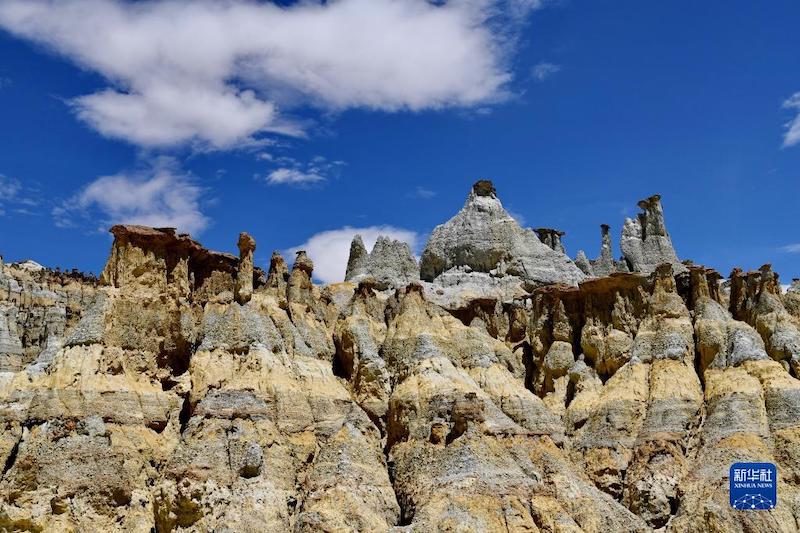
184 391
37 308
791 300
390 264
756 299
645 241
244 275
552 238
605 264
277 277
483 237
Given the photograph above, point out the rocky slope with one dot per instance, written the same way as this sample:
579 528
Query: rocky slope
186 390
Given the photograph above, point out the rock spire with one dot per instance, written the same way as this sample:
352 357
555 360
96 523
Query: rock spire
645 241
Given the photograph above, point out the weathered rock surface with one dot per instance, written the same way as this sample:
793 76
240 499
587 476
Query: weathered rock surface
37 307
645 241
244 275
187 391
756 299
485 238
390 263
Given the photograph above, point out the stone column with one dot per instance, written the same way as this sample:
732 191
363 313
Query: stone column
244 277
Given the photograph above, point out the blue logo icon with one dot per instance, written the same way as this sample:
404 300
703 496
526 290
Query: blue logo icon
753 486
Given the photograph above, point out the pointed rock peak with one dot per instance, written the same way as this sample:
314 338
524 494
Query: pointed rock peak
299 288
390 263
582 262
357 261
484 188
277 262
278 276
483 197
358 245
645 241
485 238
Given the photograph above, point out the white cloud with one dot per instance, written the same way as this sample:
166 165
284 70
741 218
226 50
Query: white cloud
214 72
422 193
330 249
14 194
791 248
792 135
292 176
9 187
296 173
166 115
544 70
160 197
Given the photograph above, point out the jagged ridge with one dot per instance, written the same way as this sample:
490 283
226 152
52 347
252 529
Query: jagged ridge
187 390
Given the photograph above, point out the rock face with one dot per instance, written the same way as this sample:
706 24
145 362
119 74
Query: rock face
645 242
185 391
390 264
483 237
37 307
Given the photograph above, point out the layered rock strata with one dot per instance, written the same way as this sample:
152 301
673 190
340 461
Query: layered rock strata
187 391
37 308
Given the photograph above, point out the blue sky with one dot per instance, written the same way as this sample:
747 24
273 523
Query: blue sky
300 122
